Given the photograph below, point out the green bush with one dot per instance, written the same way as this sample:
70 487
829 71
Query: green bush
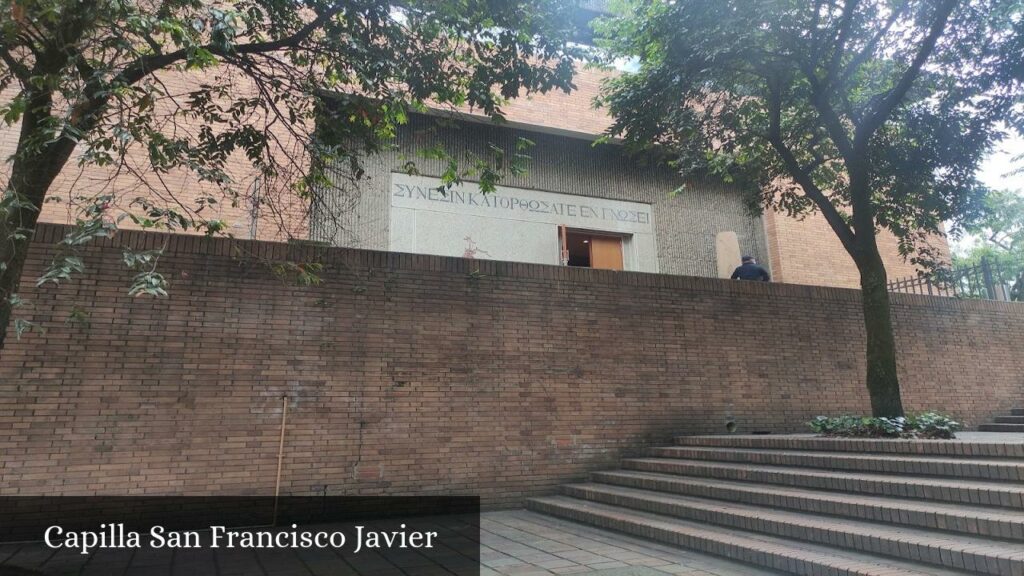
923 425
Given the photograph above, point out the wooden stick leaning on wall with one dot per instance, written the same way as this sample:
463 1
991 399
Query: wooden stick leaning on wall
280 455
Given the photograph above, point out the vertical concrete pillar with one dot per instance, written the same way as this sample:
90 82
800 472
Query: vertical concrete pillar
727 252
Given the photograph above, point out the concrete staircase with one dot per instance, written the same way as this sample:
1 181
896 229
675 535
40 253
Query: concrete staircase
1014 422
806 505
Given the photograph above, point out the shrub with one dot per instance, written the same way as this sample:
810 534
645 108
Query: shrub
923 425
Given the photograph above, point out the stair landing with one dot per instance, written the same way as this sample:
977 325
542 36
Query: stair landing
1011 423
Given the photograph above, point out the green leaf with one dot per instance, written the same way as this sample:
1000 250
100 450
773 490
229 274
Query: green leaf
149 283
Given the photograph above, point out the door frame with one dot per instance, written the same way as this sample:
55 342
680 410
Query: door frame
623 237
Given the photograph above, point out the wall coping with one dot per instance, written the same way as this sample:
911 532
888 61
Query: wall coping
193 244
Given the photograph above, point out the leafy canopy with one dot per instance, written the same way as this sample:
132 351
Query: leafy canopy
875 112
998 239
258 72
262 101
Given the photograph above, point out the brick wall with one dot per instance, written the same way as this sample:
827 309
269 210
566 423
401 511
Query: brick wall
409 375
807 251
283 215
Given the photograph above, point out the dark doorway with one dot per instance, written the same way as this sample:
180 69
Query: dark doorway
587 250
579 249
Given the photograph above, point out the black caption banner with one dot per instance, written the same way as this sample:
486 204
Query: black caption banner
239 536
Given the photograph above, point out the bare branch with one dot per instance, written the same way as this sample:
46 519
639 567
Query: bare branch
147 64
880 113
994 238
865 53
845 29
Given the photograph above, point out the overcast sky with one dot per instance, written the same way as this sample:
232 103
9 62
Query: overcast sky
993 171
994 175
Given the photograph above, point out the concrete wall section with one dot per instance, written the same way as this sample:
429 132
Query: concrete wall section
686 216
511 223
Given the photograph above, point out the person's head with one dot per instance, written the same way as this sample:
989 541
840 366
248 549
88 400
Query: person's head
749 260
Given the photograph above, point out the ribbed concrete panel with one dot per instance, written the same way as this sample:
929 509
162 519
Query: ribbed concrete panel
357 214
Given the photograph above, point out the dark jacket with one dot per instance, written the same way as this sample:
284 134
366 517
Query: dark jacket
751 271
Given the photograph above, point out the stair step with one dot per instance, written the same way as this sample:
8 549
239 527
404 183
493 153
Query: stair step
1009 420
988 469
1000 427
994 523
944 490
951 551
1017 412
760 549
968 448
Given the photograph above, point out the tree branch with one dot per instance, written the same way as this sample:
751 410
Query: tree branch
803 178
845 28
146 64
832 122
862 56
20 71
880 113
994 238
90 107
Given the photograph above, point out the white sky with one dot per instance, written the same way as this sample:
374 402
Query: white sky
994 169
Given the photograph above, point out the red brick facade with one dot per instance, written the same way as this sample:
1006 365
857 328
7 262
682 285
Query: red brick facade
808 252
417 374
803 251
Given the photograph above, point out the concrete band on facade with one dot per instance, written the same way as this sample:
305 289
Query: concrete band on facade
569 181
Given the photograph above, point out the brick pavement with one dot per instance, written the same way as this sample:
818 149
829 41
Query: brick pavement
514 542
524 543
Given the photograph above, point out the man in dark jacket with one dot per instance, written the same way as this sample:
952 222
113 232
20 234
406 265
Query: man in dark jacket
750 270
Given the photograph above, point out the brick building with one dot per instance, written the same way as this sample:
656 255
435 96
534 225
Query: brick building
579 204
605 208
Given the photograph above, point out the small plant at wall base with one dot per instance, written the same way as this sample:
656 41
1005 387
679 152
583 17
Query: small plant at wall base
923 425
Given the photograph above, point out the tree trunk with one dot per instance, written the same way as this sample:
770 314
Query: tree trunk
13 253
883 381
36 164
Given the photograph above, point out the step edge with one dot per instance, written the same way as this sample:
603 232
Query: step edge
821 494
890 446
994 555
793 551
809 470
756 509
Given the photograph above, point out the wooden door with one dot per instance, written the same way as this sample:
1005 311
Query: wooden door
606 252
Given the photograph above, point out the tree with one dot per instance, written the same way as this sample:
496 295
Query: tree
999 239
289 88
873 113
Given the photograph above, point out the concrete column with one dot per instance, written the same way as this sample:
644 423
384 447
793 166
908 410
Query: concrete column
727 252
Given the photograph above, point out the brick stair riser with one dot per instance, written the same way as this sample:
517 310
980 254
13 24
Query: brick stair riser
898 487
1009 419
1001 428
1017 412
1005 472
960 559
859 445
758 557
965 524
